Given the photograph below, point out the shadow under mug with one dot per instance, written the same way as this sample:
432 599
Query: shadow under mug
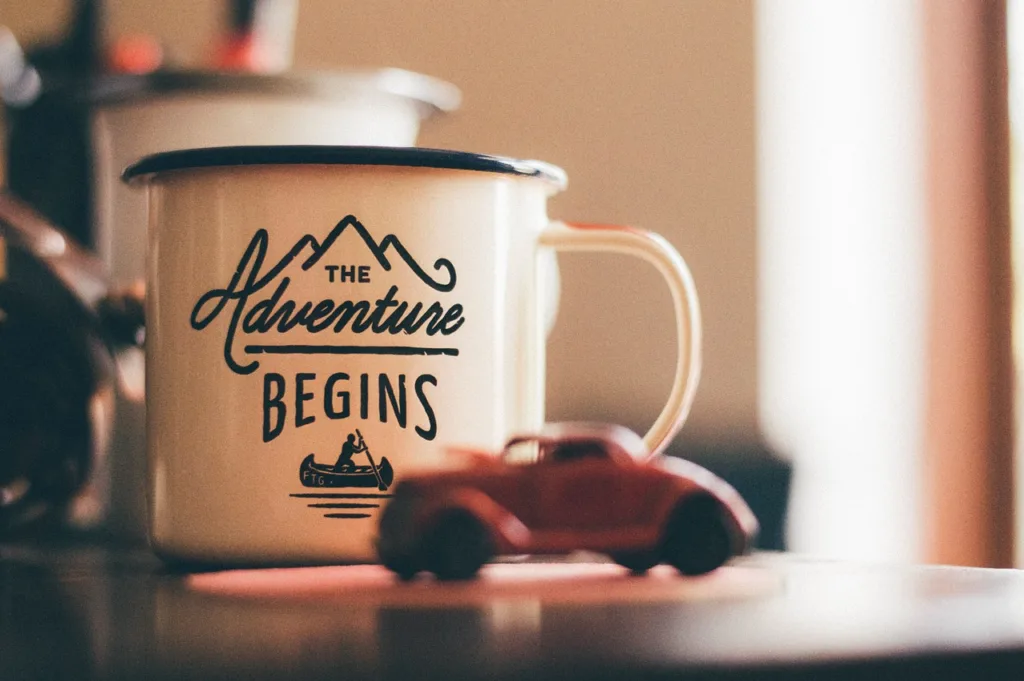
323 320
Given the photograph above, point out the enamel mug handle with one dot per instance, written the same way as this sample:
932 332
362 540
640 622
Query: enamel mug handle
656 250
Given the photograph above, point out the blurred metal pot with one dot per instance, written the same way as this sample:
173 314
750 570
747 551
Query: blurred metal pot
183 110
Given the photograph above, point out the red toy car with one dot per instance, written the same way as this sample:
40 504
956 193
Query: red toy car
589 487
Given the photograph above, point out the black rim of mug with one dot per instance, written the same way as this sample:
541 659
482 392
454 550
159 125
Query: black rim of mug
415 157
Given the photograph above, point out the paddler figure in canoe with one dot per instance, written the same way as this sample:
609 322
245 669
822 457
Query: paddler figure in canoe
348 450
345 472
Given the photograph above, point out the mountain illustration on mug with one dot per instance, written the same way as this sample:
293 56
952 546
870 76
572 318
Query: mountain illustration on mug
344 472
255 315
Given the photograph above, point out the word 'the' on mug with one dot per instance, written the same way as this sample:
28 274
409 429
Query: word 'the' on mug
323 320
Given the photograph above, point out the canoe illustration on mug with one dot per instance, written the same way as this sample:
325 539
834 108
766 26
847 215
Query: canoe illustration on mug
345 473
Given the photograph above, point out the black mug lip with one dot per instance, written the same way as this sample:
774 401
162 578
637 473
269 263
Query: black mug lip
415 157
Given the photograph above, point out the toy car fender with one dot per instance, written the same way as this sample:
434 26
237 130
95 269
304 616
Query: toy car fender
508 533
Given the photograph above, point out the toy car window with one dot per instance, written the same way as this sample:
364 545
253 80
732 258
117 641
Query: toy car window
520 452
575 451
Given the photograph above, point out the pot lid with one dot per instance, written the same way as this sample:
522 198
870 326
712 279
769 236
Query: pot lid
431 94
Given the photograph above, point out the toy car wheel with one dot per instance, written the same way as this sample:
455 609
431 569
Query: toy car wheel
637 562
697 540
458 545
403 569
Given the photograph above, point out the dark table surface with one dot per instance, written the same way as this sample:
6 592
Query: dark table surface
86 612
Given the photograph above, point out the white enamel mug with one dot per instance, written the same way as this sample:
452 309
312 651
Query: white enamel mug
324 320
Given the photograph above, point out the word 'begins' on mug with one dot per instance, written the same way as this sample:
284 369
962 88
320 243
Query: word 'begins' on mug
323 320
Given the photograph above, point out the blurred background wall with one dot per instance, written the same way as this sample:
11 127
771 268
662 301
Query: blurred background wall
649 106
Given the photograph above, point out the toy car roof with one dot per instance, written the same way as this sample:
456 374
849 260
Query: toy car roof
614 436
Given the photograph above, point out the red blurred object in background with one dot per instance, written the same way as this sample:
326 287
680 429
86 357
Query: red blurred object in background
242 52
138 54
260 36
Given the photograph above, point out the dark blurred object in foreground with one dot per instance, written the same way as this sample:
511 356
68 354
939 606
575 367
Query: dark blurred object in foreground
49 377
56 370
